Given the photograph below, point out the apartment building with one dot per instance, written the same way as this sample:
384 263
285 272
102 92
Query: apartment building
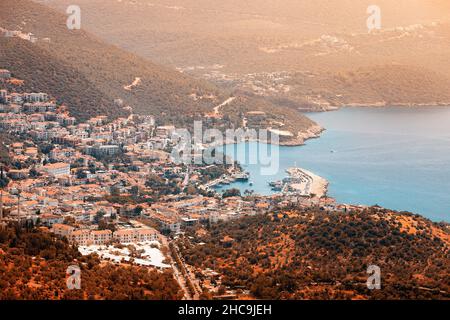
81 237
35 97
86 237
57 169
100 237
135 235
62 230
5 74
105 150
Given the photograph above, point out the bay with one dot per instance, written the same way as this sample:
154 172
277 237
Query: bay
398 158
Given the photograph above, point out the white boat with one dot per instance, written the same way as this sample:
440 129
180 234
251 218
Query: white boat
241 176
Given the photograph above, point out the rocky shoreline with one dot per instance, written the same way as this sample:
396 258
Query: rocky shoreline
312 132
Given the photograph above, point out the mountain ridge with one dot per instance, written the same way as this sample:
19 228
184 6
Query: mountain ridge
105 66
107 71
225 43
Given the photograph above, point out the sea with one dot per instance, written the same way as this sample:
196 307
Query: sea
395 157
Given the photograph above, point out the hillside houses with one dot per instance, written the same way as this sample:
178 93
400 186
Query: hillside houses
5 74
87 181
57 169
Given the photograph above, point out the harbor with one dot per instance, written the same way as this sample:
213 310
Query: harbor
305 183
228 180
365 166
299 181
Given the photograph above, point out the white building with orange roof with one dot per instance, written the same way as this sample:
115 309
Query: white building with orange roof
81 237
81 216
124 235
5 74
101 237
57 169
18 174
31 152
17 147
136 235
63 230
146 234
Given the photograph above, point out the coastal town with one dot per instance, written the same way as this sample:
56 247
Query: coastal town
248 152
111 186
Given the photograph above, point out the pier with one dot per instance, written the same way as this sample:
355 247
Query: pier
301 182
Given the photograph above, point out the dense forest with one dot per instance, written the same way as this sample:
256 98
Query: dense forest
33 266
312 254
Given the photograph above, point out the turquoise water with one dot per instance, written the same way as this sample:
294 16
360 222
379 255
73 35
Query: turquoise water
396 157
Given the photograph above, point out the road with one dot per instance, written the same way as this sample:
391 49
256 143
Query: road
223 104
176 272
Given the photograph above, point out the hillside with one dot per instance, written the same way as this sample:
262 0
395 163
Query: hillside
33 266
88 74
313 254
394 84
101 69
43 73
386 84
238 45
190 33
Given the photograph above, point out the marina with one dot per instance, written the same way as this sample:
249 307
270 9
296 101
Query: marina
370 156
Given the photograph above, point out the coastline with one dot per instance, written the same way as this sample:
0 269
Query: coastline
308 183
319 185
322 187
383 104
313 132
